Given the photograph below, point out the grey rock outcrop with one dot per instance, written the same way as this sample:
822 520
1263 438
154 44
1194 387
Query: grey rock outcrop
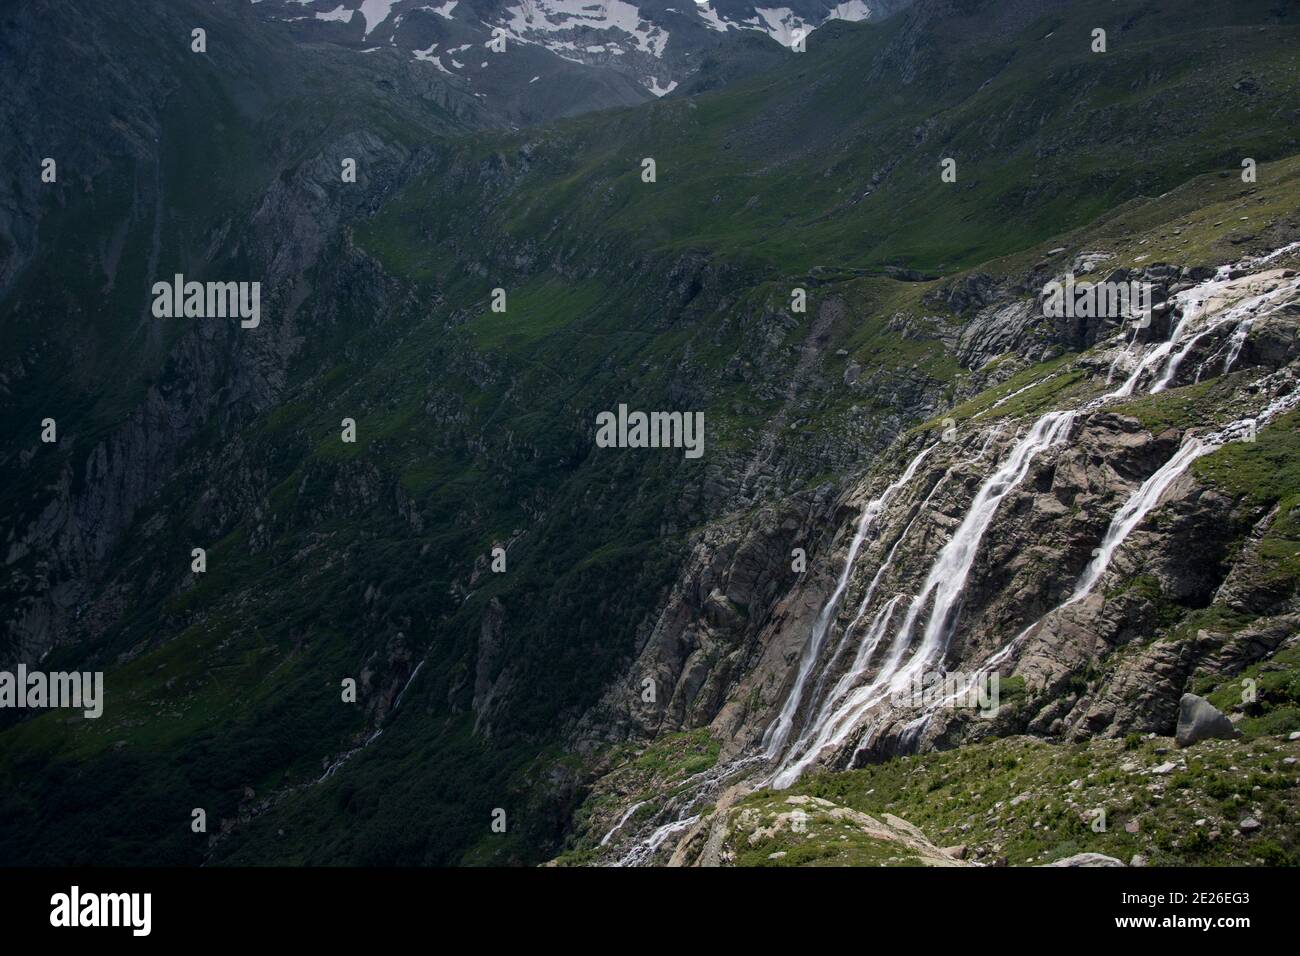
1088 859
1199 720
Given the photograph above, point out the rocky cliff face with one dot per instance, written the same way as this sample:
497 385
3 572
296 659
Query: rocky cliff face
1043 531
137 219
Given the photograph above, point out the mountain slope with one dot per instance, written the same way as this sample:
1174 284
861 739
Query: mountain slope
1074 583
371 560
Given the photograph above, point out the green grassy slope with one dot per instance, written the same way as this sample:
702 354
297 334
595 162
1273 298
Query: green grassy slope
836 160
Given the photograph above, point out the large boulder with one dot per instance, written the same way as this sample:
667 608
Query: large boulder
1198 719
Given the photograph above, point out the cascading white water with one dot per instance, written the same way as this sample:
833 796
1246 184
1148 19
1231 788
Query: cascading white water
822 627
876 631
1254 262
842 710
644 851
344 758
1240 334
1006 398
940 592
1191 302
873 636
1134 510
409 681
834 720
1234 347
866 649
604 841
1240 315
1130 515
867 646
779 731
688 796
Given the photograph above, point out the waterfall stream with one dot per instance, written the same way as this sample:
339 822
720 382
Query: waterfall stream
891 652
939 595
869 681
779 731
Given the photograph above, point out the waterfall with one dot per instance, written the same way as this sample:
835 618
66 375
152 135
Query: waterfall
1234 347
402 693
1257 261
604 841
940 592
775 737
684 802
872 638
344 758
838 713
779 731
866 650
869 643
1242 315
1129 516
1006 398
333 768
644 851
1134 510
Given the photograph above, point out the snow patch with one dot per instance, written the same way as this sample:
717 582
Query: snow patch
781 23
712 20
533 20
428 57
854 11
443 11
652 84
342 14
375 12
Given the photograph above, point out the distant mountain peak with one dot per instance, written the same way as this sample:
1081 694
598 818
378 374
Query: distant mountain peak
656 43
